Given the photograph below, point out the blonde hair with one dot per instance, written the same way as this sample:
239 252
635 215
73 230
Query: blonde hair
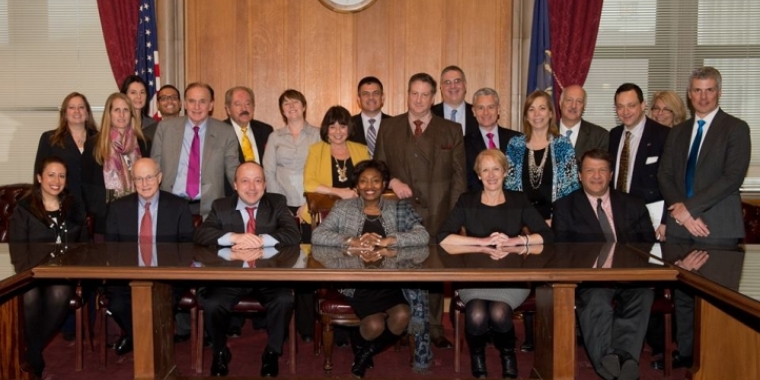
527 128
102 149
493 154
673 102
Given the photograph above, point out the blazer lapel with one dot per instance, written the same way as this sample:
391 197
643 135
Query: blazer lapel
643 150
584 208
618 216
710 139
209 144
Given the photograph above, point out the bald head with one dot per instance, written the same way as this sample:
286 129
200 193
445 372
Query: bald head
250 184
147 177
572 104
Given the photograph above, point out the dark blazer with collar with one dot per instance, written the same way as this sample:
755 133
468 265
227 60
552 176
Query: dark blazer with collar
721 166
174 223
432 165
474 144
219 158
644 182
575 220
359 135
69 153
591 136
261 132
471 123
272 217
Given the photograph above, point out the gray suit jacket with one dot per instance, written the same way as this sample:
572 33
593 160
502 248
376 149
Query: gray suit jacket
219 157
591 136
721 166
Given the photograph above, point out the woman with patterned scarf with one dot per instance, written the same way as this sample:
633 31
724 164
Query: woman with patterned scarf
108 157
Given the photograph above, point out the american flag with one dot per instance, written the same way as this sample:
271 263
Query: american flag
146 55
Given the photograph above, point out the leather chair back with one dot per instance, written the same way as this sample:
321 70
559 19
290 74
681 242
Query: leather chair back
9 196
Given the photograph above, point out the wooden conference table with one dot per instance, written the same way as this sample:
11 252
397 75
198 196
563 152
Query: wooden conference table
556 270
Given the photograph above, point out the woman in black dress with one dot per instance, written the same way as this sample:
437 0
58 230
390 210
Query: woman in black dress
493 217
75 125
47 214
136 90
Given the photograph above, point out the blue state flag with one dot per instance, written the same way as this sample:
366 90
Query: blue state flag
540 70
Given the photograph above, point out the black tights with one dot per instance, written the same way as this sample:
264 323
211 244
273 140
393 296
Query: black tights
45 309
481 314
396 317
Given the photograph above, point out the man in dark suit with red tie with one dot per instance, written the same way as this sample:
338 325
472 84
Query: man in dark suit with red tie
453 107
367 123
249 220
613 332
162 217
489 135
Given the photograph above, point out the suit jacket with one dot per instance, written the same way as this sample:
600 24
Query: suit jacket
575 220
591 136
318 169
174 223
25 227
69 153
644 182
272 217
219 157
721 166
474 144
359 136
471 123
93 184
261 132
433 165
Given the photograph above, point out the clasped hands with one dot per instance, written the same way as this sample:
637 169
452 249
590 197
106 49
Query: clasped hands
371 240
246 241
500 239
683 217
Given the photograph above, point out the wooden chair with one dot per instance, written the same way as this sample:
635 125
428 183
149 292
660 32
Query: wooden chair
9 196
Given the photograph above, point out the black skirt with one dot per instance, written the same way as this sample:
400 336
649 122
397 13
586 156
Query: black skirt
368 301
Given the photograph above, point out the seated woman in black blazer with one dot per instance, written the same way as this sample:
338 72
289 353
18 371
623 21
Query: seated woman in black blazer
47 214
493 217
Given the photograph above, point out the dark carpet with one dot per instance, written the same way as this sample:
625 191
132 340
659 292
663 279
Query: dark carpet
246 362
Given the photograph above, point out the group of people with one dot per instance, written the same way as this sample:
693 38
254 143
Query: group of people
451 166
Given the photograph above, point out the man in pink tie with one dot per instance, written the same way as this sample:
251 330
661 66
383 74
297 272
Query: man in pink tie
147 217
251 219
196 152
489 135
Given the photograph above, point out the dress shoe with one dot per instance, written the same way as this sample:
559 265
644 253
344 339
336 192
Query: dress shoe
629 370
441 342
363 357
270 363
679 361
477 347
179 338
220 362
124 346
306 338
234 332
528 347
611 364
505 344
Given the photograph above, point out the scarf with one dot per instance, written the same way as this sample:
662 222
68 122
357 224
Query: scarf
419 326
123 152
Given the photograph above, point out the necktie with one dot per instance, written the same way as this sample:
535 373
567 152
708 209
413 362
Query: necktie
622 182
371 137
417 128
453 116
491 144
569 133
609 234
691 165
250 228
248 152
146 236
604 255
194 166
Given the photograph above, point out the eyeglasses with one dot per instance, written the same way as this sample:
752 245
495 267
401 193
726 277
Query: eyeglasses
166 98
147 178
658 110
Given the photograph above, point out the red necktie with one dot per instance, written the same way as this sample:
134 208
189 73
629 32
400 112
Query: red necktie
194 166
491 144
250 228
146 236
417 128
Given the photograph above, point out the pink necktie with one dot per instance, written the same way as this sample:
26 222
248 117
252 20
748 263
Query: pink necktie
491 145
250 228
194 166
146 236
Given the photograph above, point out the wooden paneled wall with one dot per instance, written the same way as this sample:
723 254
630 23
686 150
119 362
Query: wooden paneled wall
273 45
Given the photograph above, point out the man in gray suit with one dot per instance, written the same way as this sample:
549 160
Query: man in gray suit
425 155
703 166
584 135
196 151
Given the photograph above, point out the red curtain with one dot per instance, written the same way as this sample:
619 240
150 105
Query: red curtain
574 26
118 19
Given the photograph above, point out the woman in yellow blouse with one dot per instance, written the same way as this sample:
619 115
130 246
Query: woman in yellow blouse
331 161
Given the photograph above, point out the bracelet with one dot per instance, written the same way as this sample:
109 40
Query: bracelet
527 237
522 237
